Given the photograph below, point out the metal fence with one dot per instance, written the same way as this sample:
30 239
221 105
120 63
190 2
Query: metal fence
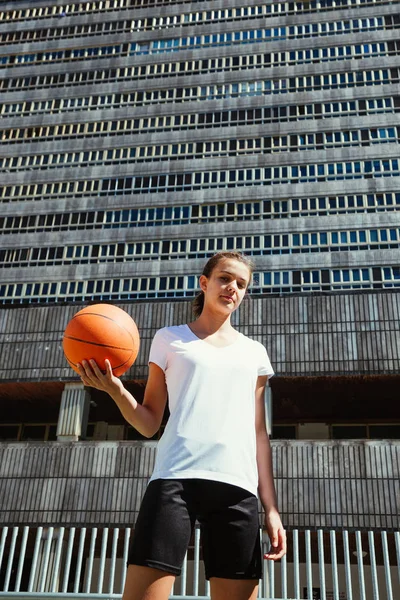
71 562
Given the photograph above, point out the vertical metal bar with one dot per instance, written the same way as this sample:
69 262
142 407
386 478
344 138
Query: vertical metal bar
374 574
113 560
284 591
45 561
21 558
102 564
321 564
335 579
296 565
386 563
89 562
264 593
35 558
196 561
67 565
271 577
307 535
397 542
184 576
125 558
347 565
260 583
57 559
360 563
3 543
10 558
208 593
79 560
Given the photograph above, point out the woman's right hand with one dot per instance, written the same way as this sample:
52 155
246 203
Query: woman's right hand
92 376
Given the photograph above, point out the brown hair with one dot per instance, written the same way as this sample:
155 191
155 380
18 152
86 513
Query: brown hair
198 302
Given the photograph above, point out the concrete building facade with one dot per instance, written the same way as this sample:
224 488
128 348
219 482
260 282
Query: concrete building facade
135 145
138 138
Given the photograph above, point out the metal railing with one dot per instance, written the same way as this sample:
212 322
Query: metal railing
70 562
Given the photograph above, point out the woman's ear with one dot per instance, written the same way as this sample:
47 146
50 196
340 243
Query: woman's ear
203 283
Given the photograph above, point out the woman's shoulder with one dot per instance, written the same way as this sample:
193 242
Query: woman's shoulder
252 343
171 332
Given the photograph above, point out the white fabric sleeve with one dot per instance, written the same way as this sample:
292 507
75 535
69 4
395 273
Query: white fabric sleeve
264 365
158 350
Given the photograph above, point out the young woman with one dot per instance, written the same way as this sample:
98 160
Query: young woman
214 456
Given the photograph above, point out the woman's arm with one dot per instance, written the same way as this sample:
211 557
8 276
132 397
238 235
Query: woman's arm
146 417
266 487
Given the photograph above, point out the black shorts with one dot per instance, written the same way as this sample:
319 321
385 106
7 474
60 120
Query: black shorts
228 517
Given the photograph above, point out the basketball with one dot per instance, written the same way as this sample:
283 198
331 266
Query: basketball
100 332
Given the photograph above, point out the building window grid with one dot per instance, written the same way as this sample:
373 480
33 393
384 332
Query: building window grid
216 119
166 22
254 245
203 149
203 66
246 89
104 6
292 32
278 282
147 287
203 213
170 182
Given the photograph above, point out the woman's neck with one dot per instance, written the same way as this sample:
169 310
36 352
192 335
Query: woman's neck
210 323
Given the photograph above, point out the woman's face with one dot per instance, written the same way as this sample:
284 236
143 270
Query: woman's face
227 284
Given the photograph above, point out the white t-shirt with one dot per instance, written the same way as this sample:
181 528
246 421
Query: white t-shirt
210 433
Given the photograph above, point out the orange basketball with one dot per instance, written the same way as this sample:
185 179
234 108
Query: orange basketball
102 331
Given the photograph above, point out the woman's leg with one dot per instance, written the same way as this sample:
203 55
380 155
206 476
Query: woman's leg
146 583
233 589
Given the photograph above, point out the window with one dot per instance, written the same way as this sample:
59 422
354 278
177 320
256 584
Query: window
284 432
349 432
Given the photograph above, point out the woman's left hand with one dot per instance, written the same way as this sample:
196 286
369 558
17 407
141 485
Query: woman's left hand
276 534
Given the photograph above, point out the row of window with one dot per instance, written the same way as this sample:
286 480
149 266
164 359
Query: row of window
142 24
204 66
180 286
199 150
283 174
29 432
189 181
201 213
79 8
160 46
47 432
212 119
244 89
254 245
343 431
152 23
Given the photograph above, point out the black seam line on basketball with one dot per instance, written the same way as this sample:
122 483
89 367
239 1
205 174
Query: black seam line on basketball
70 337
109 318
113 368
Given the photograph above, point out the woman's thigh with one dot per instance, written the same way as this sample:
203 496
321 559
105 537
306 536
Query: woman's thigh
163 528
231 534
145 583
233 589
